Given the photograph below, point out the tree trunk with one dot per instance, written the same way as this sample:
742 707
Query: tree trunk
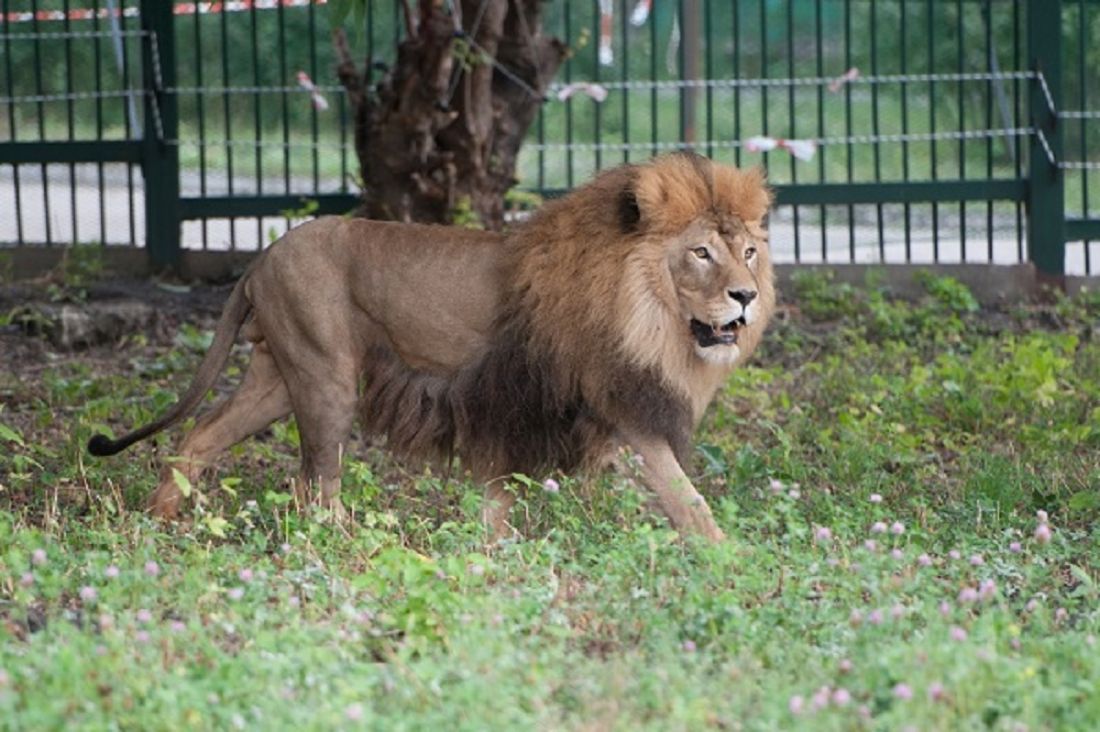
440 132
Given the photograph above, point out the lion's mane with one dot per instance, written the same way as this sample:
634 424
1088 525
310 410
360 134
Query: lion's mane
589 339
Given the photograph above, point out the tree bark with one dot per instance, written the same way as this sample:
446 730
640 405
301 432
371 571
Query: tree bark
440 132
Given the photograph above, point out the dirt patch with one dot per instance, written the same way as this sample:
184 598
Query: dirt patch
42 326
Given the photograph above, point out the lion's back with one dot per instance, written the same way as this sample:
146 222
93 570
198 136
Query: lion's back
427 293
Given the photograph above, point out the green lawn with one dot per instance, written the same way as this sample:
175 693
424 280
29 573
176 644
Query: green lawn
954 427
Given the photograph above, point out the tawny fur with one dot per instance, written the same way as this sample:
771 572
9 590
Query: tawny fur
542 349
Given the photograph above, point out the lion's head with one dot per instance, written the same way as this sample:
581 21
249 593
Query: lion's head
665 264
697 281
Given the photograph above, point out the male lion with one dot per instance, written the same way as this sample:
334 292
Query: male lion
609 318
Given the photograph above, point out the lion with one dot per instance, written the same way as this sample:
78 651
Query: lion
609 319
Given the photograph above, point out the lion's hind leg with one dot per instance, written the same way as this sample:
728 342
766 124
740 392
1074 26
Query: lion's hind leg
261 399
326 415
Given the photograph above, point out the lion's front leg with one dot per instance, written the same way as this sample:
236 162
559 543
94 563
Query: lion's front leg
323 493
686 509
495 509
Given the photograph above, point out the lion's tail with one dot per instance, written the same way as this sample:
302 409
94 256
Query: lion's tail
236 309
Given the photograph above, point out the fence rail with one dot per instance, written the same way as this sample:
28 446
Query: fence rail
893 130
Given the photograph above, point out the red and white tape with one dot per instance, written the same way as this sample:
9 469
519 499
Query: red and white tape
211 8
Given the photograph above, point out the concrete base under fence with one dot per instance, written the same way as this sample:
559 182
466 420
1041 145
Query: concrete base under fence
991 284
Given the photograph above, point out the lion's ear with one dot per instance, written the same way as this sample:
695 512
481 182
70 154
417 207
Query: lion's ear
629 213
670 191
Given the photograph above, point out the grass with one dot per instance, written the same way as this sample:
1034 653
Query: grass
957 424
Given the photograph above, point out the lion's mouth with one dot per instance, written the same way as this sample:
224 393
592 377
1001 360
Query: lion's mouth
707 335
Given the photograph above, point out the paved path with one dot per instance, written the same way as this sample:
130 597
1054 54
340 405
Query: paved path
123 222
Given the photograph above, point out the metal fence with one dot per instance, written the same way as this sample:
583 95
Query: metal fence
899 130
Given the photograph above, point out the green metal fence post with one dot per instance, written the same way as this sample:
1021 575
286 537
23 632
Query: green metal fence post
689 67
160 154
1046 193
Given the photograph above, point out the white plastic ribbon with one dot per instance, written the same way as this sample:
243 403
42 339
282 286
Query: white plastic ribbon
850 75
596 92
800 149
319 102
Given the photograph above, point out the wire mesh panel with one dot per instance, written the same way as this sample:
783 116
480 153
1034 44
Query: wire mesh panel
894 131
70 94
264 127
887 93
1082 134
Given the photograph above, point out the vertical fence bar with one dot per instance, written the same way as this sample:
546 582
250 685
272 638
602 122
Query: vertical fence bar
848 125
987 17
370 81
257 118
819 69
160 154
227 108
987 21
689 68
130 114
284 80
1082 81
98 78
624 24
653 126
1046 244
960 24
930 30
876 129
540 136
1017 116
764 73
597 113
907 210
792 117
40 90
314 132
200 108
792 124
736 75
12 126
568 102
681 12
708 70
70 119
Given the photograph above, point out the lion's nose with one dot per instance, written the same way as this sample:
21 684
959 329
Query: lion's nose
744 297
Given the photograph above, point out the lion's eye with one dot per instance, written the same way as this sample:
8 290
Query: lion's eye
750 253
701 252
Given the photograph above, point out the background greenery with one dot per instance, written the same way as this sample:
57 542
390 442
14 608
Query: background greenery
957 423
759 38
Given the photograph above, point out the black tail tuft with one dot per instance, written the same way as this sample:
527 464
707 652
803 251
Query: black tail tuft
102 446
